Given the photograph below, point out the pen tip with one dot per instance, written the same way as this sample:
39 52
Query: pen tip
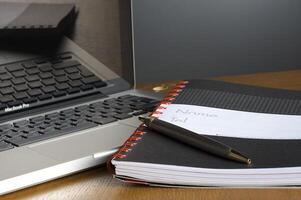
142 118
145 120
235 155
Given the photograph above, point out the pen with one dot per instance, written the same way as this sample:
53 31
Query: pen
193 139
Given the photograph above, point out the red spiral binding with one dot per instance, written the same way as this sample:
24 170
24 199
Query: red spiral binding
130 143
169 98
138 134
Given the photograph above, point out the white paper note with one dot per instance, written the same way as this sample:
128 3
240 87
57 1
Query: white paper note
231 123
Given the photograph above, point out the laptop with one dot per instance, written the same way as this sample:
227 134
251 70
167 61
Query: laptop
61 111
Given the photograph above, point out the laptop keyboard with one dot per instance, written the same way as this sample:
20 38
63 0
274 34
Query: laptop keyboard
42 81
42 127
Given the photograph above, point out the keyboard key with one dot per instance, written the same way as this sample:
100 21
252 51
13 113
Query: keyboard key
112 101
62 86
3 70
122 116
29 65
84 71
90 80
18 141
124 110
6 99
13 68
6 91
36 84
19 74
67 112
76 83
21 123
86 87
48 89
45 75
81 108
33 135
21 88
65 57
46 67
44 125
34 93
59 94
75 76
150 106
37 119
73 90
18 81
52 115
48 82
4 77
20 95
128 97
103 121
2 106
30 100
5 127
5 84
137 105
66 64
5 146
14 103
71 70
12 133
59 73
62 79
32 71
45 97
26 129
40 61
32 78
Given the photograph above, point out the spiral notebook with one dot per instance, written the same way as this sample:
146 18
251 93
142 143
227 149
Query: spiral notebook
263 123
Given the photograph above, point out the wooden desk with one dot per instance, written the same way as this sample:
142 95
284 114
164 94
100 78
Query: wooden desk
97 183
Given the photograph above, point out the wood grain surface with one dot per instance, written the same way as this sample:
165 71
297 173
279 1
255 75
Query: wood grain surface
97 30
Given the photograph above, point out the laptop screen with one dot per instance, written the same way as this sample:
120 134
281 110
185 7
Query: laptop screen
176 39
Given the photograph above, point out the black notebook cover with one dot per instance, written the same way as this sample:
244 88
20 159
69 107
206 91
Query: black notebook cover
265 153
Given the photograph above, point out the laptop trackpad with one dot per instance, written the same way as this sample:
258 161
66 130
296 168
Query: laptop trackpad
85 143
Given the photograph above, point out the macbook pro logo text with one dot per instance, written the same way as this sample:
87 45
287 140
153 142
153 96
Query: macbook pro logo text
16 107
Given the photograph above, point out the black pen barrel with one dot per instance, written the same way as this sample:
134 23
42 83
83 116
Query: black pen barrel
193 139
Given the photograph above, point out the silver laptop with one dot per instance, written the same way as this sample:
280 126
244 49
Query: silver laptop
61 111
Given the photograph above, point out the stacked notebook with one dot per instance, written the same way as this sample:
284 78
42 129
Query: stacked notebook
263 123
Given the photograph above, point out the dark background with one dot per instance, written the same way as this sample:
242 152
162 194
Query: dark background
184 39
